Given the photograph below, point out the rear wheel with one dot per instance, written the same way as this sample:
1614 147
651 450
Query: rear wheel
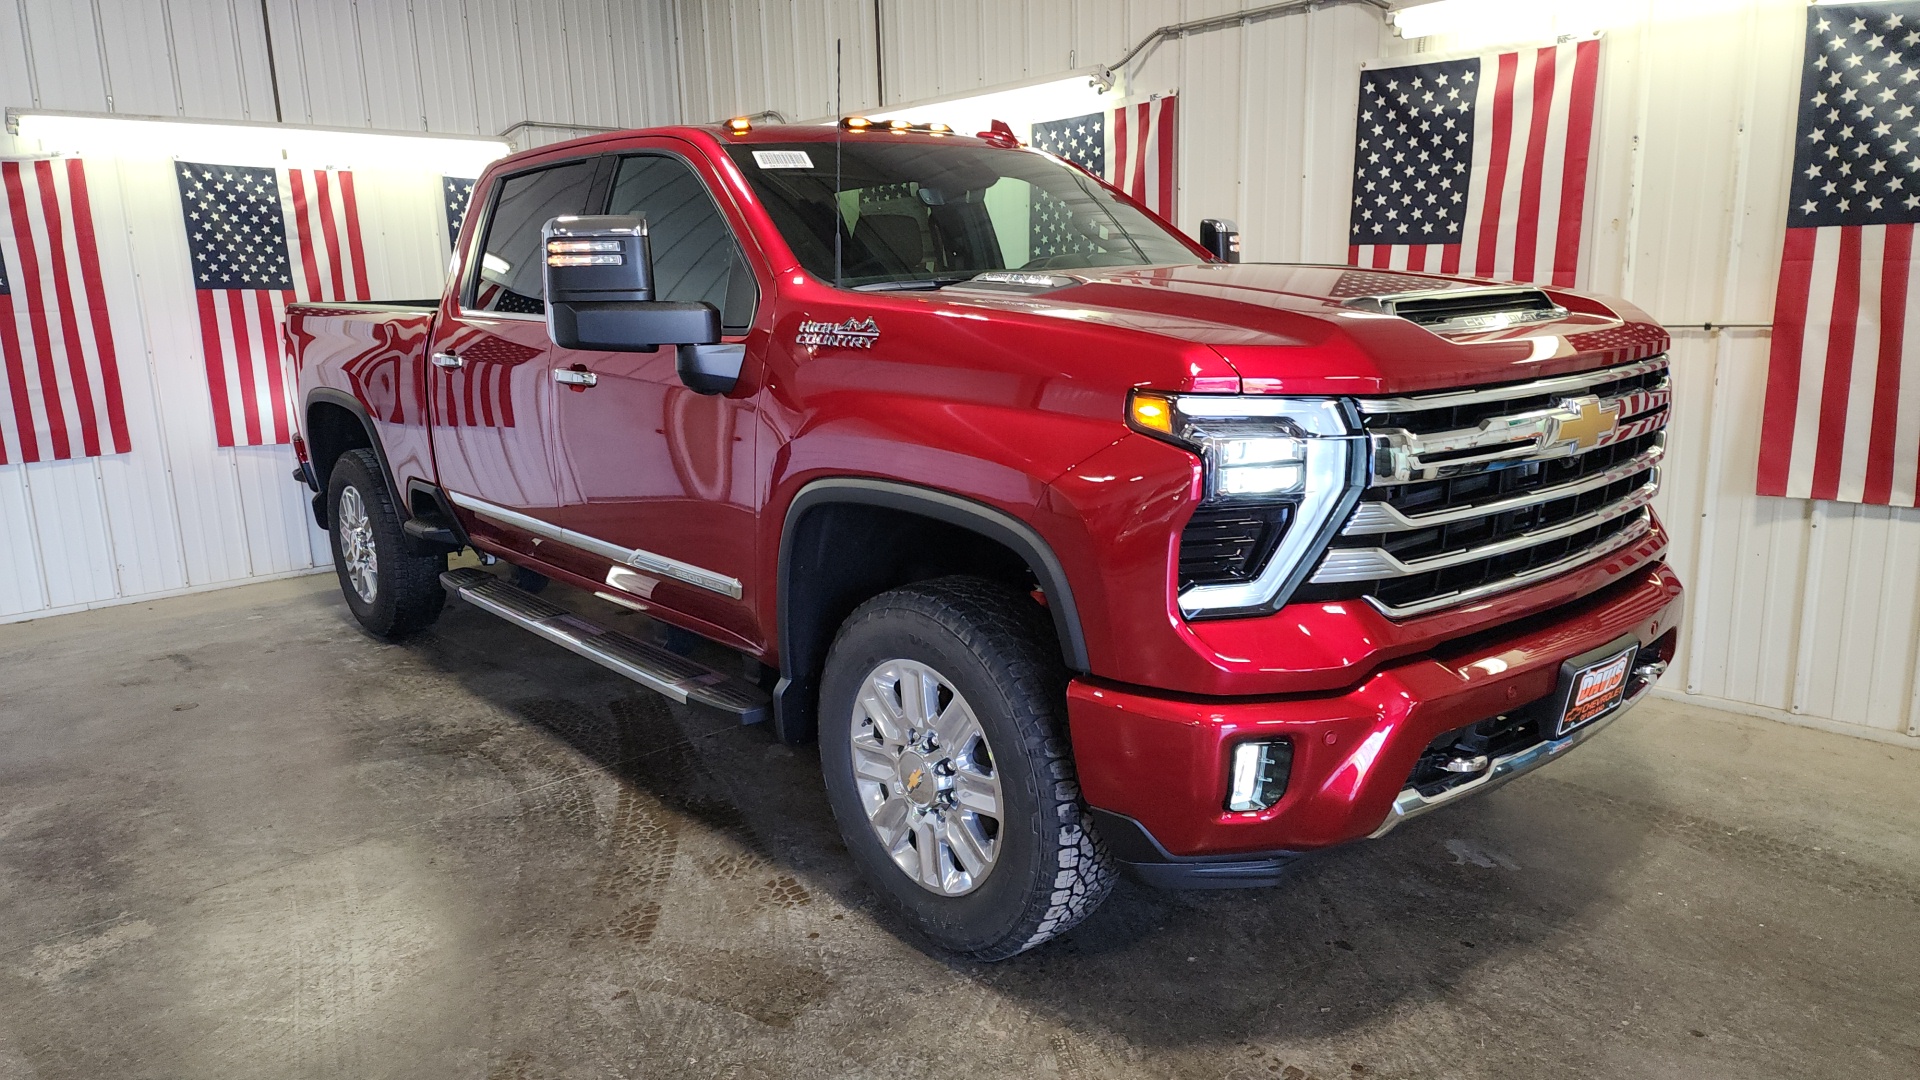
389 589
943 745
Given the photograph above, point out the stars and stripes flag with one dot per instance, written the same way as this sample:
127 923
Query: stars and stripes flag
456 192
60 391
1842 415
260 239
1131 148
1476 166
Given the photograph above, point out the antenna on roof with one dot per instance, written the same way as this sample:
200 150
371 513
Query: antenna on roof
839 133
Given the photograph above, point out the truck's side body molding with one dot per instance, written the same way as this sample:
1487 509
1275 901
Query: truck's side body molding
647 561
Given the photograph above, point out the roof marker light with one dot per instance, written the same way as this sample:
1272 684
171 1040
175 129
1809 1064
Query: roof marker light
740 125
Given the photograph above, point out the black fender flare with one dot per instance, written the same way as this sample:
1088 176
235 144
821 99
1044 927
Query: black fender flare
793 696
330 396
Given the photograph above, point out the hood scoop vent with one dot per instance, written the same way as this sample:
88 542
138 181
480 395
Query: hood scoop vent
1463 311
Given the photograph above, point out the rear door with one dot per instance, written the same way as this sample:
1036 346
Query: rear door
490 384
646 465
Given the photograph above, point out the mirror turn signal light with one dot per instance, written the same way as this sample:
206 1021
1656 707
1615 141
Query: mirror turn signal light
585 253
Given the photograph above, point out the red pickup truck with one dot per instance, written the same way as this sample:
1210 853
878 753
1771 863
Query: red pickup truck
1077 545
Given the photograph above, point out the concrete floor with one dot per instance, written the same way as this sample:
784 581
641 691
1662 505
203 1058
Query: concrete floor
238 837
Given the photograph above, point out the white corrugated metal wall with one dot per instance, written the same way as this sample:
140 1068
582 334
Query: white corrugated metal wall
1801 611
178 513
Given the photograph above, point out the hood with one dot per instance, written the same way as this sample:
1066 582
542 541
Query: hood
1308 329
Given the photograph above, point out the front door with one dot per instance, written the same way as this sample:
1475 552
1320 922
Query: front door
492 391
647 465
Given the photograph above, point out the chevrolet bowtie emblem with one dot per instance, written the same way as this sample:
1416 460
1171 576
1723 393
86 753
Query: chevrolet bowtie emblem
1582 421
914 778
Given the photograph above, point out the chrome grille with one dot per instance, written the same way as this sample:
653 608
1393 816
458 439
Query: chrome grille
1479 492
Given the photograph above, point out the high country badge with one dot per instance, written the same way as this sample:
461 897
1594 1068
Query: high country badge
852 334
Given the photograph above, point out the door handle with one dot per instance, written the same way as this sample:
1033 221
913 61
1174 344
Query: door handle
448 361
579 380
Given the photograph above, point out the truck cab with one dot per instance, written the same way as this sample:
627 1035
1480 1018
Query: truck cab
1076 547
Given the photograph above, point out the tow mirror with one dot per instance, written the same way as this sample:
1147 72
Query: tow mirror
599 279
1222 238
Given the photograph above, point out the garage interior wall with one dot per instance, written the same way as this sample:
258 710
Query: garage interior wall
179 513
1801 611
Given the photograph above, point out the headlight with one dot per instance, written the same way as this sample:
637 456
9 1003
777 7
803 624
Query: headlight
1281 474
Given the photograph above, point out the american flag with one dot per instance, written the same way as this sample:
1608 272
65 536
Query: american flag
1136 140
1842 418
59 382
456 192
1476 166
248 266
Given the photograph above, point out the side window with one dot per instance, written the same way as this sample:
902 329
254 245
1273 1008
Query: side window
695 256
510 277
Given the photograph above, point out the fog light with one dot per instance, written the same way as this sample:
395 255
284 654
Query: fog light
1259 774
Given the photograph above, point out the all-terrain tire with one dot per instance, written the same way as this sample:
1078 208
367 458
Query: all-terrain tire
997 649
403 594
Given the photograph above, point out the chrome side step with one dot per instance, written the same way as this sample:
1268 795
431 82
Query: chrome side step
653 667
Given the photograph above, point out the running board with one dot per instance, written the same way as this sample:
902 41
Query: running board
653 667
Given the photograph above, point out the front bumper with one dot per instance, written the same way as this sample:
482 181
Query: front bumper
1155 768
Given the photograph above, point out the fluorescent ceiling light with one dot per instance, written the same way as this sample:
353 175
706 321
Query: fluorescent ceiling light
238 142
1472 23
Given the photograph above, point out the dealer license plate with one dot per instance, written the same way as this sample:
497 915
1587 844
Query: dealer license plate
1595 689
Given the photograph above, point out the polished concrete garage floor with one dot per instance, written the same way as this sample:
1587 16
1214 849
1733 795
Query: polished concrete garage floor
239 838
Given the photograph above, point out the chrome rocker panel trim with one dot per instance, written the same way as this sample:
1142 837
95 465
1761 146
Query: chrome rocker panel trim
646 561
1412 804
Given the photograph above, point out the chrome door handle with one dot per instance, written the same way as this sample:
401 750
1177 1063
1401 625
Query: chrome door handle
581 379
448 361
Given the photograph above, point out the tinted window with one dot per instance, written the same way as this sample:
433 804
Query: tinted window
510 266
914 211
695 257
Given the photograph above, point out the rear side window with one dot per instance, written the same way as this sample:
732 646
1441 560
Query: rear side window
510 278
695 256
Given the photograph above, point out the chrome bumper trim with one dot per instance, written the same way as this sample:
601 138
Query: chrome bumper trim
1412 804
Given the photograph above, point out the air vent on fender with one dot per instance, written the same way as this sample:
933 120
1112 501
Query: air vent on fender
1465 310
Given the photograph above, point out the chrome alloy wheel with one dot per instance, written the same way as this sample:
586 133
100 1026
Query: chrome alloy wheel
356 543
926 777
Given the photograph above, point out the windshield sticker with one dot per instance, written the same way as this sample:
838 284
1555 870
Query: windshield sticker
782 159
852 334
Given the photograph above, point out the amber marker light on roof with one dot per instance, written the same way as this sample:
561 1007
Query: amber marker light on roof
739 125
856 123
900 125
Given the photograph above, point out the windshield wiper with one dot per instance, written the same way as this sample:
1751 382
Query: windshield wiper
911 284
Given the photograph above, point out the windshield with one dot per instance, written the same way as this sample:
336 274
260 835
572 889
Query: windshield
915 214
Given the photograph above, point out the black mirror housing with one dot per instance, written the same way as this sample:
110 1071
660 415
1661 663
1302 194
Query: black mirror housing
1222 238
599 279
631 325
596 259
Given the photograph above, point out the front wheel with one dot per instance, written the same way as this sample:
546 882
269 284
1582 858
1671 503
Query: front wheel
389 589
943 746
